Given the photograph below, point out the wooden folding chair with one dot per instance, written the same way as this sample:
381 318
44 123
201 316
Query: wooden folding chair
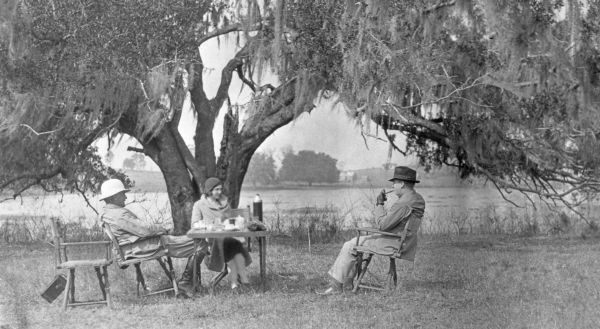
161 257
100 265
363 262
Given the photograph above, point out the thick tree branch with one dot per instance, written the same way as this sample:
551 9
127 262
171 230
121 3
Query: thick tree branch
406 121
34 179
226 77
197 94
228 29
277 110
245 80
190 162
42 176
403 114
219 32
391 140
135 149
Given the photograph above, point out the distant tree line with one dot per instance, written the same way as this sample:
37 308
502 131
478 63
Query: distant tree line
136 161
305 166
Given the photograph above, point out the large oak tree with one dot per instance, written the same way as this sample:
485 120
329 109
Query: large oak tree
503 89
75 71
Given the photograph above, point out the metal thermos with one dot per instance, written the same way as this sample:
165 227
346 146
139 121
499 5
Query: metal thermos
257 209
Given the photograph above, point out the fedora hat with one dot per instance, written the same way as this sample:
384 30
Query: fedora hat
405 174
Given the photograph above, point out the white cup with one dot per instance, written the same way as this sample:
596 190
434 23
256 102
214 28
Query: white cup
239 222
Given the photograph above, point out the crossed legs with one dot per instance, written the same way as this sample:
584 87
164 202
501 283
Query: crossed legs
237 273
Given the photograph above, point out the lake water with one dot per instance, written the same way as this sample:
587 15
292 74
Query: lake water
448 210
349 201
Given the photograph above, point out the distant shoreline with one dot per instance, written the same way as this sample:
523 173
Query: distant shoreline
346 186
153 182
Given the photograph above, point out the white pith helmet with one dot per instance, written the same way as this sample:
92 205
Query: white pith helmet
111 187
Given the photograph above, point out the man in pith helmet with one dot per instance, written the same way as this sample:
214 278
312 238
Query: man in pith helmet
138 239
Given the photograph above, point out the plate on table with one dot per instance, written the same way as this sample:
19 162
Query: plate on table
229 227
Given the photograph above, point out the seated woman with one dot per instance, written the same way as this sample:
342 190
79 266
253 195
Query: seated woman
209 210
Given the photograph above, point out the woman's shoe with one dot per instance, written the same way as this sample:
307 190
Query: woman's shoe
329 291
334 289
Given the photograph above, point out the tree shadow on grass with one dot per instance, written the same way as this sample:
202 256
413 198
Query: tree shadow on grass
413 285
295 282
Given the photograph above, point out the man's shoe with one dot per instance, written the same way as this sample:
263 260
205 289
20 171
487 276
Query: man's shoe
329 291
185 286
182 294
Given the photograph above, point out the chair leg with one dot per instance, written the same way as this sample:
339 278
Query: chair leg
164 267
140 279
100 281
392 275
215 281
198 269
67 291
107 287
363 271
195 273
358 265
169 272
72 285
172 275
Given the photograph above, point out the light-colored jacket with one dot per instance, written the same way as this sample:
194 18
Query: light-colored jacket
126 226
407 210
140 240
136 238
211 212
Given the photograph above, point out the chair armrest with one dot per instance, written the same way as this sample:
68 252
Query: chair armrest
86 243
376 231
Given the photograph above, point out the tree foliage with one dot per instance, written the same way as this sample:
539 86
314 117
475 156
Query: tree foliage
507 90
310 167
71 69
261 169
499 88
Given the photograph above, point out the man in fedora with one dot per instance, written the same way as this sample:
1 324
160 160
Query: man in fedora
140 240
407 210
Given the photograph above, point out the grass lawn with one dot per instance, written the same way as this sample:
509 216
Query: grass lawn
456 282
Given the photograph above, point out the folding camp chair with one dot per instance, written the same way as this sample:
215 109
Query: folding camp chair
364 255
161 257
63 263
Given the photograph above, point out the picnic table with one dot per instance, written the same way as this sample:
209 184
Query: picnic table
200 234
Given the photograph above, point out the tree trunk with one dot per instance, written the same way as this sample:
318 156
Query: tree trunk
205 144
238 146
163 150
233 160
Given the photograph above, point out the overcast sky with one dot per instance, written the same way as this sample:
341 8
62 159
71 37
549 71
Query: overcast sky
328 131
